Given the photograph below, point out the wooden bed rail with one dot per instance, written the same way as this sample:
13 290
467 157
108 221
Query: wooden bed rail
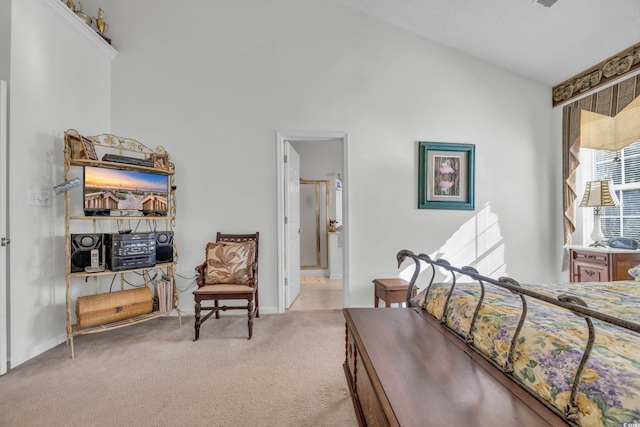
571 303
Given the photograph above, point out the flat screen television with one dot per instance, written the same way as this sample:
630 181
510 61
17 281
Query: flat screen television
107 190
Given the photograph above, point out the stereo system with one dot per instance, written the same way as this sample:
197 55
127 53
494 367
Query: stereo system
121 251
128 251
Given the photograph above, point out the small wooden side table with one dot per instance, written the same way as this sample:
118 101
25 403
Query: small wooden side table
390 291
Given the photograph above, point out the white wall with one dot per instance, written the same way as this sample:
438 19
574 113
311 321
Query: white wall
5 38
5 60
58 81
213 82
318 158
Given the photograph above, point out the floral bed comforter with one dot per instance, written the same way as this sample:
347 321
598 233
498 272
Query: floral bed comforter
552 340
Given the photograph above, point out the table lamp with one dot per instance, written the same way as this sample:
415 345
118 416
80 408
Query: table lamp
597 194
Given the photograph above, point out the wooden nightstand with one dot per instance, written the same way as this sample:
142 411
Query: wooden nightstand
587 264
390 291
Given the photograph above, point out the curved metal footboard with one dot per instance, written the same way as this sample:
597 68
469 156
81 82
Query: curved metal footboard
573 304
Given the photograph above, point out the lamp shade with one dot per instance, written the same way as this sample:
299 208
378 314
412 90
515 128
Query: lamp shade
599 193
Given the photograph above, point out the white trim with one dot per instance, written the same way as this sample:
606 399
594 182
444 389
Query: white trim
281 137
59 9
4 251
38 350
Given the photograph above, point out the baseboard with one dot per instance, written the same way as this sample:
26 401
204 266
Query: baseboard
16 360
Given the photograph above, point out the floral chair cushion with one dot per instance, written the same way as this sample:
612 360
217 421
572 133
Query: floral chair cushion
230 262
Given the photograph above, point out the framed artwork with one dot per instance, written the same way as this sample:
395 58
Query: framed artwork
160 161
446 176
89 149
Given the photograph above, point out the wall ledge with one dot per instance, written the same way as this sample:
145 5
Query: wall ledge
60 9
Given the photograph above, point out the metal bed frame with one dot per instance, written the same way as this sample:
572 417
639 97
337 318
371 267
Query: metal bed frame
574 304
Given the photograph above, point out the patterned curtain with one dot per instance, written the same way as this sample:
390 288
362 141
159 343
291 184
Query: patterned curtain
606 101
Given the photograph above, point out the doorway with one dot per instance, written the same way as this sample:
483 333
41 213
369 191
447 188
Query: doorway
314 223
315 140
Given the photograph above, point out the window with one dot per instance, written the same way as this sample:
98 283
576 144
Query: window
623 168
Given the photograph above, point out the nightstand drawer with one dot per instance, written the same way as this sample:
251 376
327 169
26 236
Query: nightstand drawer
591 257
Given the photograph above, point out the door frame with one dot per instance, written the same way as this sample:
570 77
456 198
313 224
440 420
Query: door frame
4 250
320 136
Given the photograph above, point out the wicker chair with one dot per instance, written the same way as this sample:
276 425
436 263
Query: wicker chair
230 272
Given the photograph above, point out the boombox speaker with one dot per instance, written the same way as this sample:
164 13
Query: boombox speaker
81 246
164 246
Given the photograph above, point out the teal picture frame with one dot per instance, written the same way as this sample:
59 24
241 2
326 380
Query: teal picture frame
446 175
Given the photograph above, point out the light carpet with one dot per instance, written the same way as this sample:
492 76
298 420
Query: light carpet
154 374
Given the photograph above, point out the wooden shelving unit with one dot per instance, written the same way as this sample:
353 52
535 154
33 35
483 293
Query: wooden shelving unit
130 148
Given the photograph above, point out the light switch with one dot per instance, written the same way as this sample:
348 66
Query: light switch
39 198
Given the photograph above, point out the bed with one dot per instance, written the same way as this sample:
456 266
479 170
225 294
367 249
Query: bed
573 348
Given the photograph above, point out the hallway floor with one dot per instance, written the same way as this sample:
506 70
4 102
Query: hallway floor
319 296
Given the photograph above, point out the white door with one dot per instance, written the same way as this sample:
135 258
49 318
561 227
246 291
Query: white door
3 227
292 225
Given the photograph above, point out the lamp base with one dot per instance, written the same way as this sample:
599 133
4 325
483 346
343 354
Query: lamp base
596 234
597 245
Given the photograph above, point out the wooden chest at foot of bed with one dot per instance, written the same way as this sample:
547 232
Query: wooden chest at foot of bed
94 310
405 369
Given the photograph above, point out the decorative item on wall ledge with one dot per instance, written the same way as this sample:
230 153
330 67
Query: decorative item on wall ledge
102 25
608 70
80 12
446 176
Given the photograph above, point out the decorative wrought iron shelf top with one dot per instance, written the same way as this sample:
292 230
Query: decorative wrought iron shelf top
125 217
126 144
126 147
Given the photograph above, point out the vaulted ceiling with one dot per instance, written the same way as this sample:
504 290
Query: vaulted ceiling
548 44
